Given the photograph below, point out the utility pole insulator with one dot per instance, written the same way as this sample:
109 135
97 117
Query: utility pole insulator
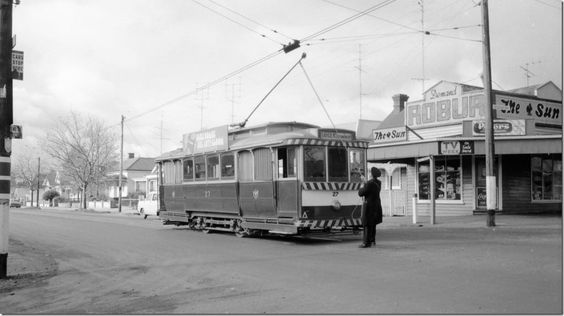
291 46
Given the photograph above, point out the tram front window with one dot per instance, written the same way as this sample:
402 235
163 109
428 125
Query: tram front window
338 164
357 163
314 164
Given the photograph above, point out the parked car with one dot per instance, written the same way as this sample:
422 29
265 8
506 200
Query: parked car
15 204
149 205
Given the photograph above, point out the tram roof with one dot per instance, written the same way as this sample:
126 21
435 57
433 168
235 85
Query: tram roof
272 134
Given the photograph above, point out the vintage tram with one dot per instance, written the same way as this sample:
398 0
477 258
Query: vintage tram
281 178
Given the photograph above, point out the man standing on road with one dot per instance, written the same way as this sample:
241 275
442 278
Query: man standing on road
372 207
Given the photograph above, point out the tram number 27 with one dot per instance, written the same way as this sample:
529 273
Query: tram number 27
335 193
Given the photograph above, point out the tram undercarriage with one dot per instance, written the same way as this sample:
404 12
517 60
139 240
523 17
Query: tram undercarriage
254 227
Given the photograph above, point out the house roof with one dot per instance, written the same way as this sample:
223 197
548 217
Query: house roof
527 90
139 164
394 119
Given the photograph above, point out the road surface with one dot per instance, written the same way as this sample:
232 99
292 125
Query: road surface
118 264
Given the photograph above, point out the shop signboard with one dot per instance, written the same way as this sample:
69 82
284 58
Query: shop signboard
388 135
214 139
500 127
456 147
510 107
445 107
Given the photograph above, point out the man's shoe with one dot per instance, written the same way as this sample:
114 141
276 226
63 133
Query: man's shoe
364 246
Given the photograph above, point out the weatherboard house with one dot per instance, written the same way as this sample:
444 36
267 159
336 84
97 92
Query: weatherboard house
437 143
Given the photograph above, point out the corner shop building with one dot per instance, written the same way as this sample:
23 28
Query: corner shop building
439 142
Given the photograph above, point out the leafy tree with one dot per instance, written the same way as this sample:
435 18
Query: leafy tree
49 195
84 147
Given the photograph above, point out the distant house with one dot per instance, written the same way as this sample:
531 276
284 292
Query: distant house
134 181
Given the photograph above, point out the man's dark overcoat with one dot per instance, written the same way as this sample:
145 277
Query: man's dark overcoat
372 214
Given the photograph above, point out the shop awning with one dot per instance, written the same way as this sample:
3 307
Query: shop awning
538 144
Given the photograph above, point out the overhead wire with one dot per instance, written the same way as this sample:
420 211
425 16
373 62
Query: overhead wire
379 18
261 60
251 20
209 84
348 20
236 22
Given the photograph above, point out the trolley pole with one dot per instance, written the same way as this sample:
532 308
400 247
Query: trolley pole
6 120
491 192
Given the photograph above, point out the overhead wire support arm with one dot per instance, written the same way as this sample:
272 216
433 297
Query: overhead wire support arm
242 124
291 46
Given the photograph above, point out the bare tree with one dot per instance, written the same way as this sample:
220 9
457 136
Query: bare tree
25 166
24 169
83 147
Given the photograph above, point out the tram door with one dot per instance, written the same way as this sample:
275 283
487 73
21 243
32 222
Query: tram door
287 185
256 185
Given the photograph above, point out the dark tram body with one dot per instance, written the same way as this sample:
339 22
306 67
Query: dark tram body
282 178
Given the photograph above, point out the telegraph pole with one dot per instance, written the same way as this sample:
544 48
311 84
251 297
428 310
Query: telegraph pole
120 165
491 192
6 120
38 173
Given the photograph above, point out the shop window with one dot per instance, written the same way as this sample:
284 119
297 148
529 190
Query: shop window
448 179
200 168
338 165
213 167
546 175
314 164
286 162
188 170
227 166
356 164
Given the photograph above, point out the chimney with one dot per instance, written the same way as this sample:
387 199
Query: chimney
399 101
131 155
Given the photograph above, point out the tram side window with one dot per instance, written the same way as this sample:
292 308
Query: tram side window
200 168
188 169
227 166
286 162
178 171
245 166
357 163
314 163
168 172
213 167
263 164
338 164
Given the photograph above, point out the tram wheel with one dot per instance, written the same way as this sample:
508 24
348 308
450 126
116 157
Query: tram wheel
241 232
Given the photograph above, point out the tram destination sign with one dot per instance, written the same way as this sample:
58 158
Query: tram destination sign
338 134
214 139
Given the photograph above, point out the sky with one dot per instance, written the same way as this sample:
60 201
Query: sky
178 66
